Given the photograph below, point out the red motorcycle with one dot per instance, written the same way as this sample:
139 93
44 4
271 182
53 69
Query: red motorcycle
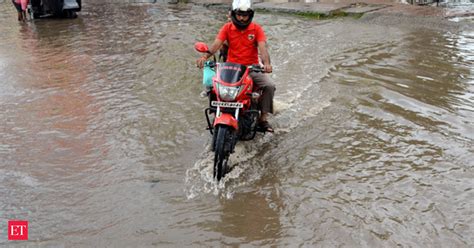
233 108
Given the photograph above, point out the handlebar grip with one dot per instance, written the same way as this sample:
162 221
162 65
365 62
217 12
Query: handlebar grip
256 68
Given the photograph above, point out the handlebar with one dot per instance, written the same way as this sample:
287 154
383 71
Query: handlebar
256 68
252 68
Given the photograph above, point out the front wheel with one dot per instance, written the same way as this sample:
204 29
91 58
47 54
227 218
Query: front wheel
222 150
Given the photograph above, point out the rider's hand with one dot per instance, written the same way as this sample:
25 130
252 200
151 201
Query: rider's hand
200 62
267 68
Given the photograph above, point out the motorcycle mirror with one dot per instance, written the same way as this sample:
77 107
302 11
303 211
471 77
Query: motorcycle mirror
201 47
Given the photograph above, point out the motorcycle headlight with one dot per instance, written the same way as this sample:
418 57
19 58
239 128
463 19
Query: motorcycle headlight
227 93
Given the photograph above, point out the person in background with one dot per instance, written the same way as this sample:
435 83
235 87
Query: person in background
245 40
21 6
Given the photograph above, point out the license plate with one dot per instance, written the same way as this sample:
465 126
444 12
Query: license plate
227 104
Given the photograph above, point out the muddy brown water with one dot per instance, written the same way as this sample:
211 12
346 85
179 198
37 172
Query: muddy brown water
102 139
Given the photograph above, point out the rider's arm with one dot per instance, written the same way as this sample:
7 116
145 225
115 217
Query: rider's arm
214 48
267 65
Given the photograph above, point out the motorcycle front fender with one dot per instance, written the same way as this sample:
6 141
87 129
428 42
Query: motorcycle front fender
226 119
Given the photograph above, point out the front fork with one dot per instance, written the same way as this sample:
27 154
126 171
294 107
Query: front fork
223 118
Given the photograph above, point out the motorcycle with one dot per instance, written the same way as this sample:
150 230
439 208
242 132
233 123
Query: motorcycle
54 8
233 107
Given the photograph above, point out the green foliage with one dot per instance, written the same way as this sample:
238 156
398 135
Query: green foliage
321 16
315 15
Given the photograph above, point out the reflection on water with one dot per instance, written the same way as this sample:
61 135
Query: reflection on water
249 218
102 139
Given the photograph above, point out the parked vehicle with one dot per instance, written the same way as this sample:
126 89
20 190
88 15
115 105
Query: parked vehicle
233 111
54 8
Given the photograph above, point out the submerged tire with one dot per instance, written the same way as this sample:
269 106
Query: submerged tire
221 151
71 14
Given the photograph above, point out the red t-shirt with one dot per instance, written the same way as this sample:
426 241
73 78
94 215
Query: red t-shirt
242 43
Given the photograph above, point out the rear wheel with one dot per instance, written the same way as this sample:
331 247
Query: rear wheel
248 125
69 13
222 150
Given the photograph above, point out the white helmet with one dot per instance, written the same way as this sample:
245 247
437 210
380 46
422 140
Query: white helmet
241 7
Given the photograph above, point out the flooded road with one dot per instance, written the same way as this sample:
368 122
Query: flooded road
103 140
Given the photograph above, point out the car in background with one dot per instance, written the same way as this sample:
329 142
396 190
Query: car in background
54 8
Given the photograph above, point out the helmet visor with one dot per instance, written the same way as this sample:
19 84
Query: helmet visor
242 13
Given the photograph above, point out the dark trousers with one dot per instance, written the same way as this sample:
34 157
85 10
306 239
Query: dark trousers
263 83
17 6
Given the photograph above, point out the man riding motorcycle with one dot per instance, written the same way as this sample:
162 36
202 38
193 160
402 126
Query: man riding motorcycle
245 40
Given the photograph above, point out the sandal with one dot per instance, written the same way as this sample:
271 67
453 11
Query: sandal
264 126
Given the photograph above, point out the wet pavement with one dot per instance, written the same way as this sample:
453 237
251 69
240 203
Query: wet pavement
326 9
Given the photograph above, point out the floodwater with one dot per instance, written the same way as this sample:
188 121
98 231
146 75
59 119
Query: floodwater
103 140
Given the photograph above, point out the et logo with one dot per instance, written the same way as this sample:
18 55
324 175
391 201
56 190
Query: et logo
17 230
